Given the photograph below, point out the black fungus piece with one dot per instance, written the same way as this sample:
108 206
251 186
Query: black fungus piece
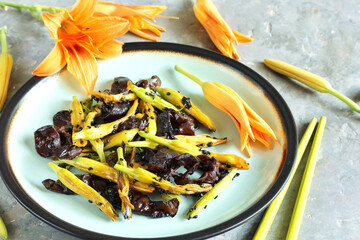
164 126
171 122
62 124
186 102
113 111
119 85
209 166
189 162
160 161
48 144
111 194
140 123
47 139
56 186
146 155
151 83
97 183
156 209
112 159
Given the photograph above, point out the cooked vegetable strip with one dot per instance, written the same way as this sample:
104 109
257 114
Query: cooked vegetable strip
121 137
81 188
169 196
176 145
147 108
6 62
77 117
203 140
126 205
148 96
98 147
145 176
104 171
181 101
121 97
226 161
87 105
146 144
214 192
95 132
89 119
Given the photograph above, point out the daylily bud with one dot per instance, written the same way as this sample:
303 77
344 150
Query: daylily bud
6 62
3 231
312 80
309 79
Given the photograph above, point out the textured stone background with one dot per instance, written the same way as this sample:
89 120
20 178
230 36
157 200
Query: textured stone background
320 36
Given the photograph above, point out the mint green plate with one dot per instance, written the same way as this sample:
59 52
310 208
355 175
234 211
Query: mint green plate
39 99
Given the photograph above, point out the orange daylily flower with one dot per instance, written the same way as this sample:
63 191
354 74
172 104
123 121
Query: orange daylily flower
136 15
219 31
249 124
80 38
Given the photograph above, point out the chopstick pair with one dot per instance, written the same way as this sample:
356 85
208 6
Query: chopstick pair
304 190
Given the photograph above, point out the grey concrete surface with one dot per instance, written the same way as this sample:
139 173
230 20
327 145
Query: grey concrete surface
317 35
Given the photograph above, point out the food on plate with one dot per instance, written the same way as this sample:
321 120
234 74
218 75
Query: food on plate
129 142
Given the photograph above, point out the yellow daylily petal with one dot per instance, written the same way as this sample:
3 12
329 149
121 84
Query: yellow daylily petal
111 48
83 10
82 64
54 62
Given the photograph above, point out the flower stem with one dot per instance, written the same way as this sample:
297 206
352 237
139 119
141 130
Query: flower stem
345 99
189 75
33 9
3 32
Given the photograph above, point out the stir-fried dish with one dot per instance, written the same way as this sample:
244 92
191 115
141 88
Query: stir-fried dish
132 140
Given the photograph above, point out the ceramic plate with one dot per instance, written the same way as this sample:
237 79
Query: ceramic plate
39 99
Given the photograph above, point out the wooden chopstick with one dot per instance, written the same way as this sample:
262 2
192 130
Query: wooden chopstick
273 208
304 190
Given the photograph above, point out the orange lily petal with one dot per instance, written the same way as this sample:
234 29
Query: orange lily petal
149 10
101 29
242 38
54 62
111 48
83 10
82 64
261 137
248 148
53 22
119 10
142 28
219 31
